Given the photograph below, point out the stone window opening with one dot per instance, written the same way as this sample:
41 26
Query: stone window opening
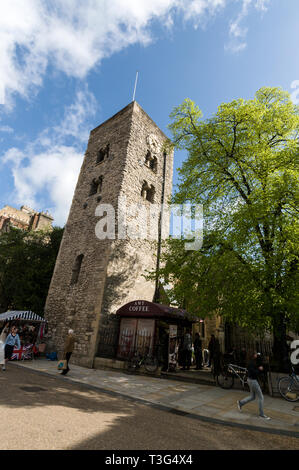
77 269
148 192
96 186
151 161
102 153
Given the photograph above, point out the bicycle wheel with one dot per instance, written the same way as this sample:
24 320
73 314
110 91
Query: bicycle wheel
225 380
288 388
151 364
133 363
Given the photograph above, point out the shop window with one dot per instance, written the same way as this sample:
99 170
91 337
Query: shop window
96 186
103 153
77 269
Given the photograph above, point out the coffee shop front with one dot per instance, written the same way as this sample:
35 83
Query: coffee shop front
147 327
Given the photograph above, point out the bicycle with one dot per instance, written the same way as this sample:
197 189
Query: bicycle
226 378
289 386
149 362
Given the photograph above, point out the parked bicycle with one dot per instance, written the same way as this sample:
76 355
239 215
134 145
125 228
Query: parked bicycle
229 372
149 362
289 386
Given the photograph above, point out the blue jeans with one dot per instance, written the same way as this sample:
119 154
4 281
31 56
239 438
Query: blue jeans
255 390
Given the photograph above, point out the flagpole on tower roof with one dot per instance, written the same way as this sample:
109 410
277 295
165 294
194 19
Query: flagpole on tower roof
136 80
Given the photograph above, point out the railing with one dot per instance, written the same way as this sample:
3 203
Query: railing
125 344
108 341
131 342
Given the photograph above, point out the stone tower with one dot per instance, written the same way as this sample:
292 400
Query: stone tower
94 277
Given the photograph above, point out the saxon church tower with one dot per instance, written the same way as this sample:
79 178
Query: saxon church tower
94 277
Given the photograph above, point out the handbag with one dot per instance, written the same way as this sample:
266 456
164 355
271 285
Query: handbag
62 365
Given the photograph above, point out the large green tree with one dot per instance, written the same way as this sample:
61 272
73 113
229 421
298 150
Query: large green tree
27 260
242 166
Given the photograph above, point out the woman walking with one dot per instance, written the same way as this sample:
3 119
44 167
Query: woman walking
12 340
253 372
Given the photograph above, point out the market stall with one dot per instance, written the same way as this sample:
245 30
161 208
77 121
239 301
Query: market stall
31 330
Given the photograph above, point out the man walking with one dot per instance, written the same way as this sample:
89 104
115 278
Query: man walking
68 349
255 389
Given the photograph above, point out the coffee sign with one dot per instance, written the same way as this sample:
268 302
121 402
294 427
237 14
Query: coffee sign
139 306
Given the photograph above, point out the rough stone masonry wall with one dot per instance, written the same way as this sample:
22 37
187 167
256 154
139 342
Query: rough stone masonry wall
130 259
78 306
111 271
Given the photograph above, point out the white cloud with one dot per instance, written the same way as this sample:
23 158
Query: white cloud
74 35
295 93
7 129
237 31
47 169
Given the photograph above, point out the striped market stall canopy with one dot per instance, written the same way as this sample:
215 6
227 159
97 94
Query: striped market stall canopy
20 315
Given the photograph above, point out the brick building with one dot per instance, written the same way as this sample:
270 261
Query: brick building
24 218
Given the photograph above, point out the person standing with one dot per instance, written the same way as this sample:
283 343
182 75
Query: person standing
187 350
254 369
163 348
198 351
68 349
216 358
211 348
3 337
12 340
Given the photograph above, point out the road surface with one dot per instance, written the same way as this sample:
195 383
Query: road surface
42 412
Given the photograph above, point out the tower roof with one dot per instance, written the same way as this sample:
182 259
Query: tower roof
130 105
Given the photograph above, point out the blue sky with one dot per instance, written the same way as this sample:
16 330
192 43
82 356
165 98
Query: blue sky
64 70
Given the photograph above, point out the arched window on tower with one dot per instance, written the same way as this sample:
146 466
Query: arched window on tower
96 186
154 164
151 161
77 269
148 192
103 153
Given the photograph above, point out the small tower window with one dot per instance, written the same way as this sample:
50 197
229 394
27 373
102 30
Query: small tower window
154 164
96 186
103 153
77 269
151 161
148 192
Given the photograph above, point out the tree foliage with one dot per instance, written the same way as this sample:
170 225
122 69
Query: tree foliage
27 261
242 166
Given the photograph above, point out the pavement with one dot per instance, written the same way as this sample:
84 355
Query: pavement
199 401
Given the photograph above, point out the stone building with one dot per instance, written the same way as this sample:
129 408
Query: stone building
24 218
94 277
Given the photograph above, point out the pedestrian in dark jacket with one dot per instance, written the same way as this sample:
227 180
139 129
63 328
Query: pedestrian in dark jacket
68 349
187 350
198 351
254 369
211 348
